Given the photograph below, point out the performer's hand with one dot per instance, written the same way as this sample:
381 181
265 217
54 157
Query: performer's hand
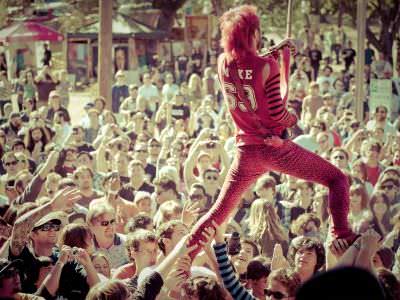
288 42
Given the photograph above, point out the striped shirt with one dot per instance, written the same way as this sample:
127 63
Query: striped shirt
231 282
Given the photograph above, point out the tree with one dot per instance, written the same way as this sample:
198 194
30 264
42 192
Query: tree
382 14
168 9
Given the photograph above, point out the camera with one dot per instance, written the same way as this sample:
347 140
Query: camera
234 246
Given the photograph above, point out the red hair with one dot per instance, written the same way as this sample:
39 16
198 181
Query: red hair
238 25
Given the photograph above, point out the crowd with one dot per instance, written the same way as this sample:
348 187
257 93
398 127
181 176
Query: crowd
101 209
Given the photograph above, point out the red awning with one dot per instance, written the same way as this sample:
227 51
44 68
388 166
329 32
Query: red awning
29 32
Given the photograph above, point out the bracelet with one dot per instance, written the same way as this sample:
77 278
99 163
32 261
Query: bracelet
357 246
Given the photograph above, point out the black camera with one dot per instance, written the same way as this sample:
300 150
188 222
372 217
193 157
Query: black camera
234 246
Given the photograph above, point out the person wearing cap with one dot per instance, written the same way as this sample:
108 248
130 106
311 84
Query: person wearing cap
55 106
36 232
119 91
10 281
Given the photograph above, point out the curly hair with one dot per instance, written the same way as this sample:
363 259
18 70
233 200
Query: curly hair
205 288
238 26
307 243
299 226
287 278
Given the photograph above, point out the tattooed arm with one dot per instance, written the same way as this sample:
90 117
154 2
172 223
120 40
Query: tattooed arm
63 200
23 227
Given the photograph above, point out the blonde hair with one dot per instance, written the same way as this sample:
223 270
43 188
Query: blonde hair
97 211
166 211
264 219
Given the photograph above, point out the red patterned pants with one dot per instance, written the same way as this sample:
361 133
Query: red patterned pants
252 161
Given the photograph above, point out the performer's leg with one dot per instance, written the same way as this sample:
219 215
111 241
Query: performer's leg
299 162
244 171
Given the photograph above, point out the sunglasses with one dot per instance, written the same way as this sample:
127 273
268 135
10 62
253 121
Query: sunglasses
106 223
387 187
211 177
155 146
10 163
141 151
196 196
48 227
340 157
275 295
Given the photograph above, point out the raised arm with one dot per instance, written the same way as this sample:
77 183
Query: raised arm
33 189
64 199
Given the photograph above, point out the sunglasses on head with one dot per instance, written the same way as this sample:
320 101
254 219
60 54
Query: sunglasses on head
48 227
10 163
106 223
276 295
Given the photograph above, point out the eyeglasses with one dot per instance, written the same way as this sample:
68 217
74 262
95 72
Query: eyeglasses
106 223
387 187
211 177
141 151
155 146
48 227
10 163
275 295
340 157
196 196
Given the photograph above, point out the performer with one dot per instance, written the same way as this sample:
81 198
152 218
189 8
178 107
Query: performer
252 86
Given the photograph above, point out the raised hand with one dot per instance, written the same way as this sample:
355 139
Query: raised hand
65 254
338 247
81 256
370 240
209 234
190 213
65 199
278 259
220 231
182 249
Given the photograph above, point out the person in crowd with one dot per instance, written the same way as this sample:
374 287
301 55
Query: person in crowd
119 91
102 222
